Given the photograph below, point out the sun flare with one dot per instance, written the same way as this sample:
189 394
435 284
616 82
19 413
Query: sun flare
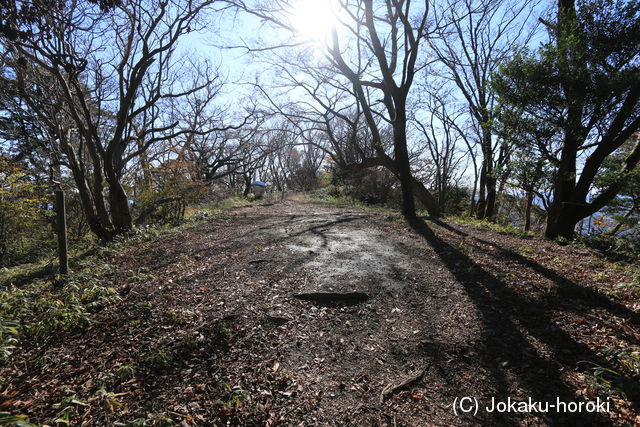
314 19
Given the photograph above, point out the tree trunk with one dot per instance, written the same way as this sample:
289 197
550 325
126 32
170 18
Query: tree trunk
91 196
87 201
419 190
472 202
247 185
482 203
402 163
562 223
120 212
97 189
562 218
527 211
118 200
425 197
490 179
489 211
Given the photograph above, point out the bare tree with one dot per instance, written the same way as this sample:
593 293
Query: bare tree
377 53
108 80
442 140
303 166
481 36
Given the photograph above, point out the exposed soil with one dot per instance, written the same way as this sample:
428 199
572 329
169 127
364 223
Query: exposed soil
398 321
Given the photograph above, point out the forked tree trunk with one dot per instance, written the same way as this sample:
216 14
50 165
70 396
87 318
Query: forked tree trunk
102 231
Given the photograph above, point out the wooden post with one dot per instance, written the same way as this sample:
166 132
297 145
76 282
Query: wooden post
61 228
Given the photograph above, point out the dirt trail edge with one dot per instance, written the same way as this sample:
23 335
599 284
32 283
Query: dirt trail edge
302 313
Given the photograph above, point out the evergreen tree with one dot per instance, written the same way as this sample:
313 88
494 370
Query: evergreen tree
585 82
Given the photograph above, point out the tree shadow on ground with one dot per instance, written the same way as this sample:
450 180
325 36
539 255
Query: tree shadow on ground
590 297
513 323
51 269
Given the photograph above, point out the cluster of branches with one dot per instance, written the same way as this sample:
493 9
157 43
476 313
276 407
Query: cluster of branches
454 85
436 93
95 92
373 59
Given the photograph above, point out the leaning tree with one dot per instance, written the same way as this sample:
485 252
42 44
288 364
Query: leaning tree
584 82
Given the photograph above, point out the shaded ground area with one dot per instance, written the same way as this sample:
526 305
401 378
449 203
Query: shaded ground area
218 324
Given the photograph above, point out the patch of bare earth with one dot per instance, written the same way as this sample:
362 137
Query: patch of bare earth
301 313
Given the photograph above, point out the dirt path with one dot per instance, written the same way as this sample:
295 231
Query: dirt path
451 312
